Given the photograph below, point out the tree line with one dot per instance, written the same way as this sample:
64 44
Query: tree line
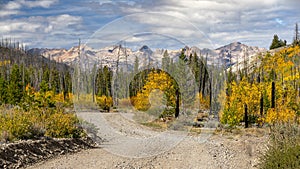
127 86
20 69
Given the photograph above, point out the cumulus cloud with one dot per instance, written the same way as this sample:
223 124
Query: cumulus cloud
39 23
194 21
4 13
217 17
13 7
38 28
39 3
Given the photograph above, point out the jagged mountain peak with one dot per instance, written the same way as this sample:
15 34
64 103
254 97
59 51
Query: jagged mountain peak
144 48
228 54
232 46
237 52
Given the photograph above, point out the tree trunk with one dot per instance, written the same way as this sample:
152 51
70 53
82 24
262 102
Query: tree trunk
177 103
261 103
273 95
246 116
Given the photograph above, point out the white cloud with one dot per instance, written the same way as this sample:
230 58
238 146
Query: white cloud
36 29
33 4
14 7
21 26
4 13
62 21
232 17
39 23
222 21
39 3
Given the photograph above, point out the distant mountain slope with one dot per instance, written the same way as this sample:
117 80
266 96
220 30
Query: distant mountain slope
228 55
32 57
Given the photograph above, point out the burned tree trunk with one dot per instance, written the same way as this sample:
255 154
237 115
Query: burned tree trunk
246 116
177 103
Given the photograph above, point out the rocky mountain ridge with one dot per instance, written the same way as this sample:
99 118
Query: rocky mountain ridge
233 54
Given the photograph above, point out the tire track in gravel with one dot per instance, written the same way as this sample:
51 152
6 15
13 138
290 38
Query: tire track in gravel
126 138
125 147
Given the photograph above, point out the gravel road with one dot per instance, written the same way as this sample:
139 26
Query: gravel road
127 144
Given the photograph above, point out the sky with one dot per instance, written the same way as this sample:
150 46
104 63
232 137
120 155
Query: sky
156 23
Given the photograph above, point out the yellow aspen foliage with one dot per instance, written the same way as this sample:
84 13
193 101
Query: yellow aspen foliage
104 102
156 80
5 62
70 96
141 102
282 68
279 115
61 125
59 97
29 90
242 93
203 100
293 51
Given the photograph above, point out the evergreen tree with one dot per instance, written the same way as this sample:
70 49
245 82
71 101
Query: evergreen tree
15 88
186 82
182 56
276 42
55 83
166 61
136 65
195 66
103 82
3 90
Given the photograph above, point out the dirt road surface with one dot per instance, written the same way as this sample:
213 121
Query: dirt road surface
127 144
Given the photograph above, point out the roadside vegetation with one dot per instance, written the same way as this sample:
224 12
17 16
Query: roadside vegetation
34 95
265 92
284 148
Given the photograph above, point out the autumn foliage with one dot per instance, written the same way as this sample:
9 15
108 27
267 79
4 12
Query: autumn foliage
255 90
157 80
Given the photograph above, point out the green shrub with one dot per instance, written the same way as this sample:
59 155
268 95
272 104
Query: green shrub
168 112
61 125
16 123
230 117
284 149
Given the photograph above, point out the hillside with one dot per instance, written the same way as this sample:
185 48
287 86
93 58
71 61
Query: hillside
265 91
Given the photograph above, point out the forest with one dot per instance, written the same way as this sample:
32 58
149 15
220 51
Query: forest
183 83
33 94
266 91
263 91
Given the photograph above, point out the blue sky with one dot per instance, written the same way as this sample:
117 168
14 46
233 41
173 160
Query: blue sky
161 23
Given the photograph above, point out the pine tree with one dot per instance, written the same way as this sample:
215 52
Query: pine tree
15 88
136 65
166 61
3 90
276 42
103 82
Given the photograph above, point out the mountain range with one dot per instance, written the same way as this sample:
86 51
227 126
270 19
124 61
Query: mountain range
234 54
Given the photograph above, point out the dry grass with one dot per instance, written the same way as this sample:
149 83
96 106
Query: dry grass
284 149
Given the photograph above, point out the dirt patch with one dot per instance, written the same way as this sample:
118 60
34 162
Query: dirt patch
232 149
25 153
224 150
